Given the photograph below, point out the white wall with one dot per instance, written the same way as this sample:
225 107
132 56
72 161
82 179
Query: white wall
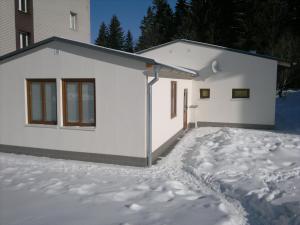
51 18
163 127
236 71
7 26
120 101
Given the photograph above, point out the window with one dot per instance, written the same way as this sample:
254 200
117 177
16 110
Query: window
23 5
204 93
241 93
173 99
73 21
24 39
79 102
41 99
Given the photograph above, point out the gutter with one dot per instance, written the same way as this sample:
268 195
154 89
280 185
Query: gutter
156 69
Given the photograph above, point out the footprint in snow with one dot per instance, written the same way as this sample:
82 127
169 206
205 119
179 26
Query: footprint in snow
164 197
287 164
134 207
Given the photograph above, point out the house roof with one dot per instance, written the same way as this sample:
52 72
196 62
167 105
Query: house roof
280 62
97 48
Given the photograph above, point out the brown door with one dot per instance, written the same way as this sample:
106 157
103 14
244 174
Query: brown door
185 109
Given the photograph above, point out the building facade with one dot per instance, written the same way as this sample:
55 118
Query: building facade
24 22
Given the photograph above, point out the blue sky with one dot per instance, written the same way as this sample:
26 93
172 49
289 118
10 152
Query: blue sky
129 12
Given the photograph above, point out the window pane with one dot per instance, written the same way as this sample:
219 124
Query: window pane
36 101
50 98
204 93
72 102
88 103
240 93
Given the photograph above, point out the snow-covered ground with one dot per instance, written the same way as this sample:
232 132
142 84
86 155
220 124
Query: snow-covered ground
221 176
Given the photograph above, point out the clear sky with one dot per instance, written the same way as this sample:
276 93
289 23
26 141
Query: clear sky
129 12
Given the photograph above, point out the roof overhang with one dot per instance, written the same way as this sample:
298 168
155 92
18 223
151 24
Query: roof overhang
44 42
173 71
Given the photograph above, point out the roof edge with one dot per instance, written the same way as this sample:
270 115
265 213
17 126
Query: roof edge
80 44
94 47
211 46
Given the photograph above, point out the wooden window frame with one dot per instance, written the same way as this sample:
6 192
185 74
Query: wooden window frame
65 108
202 94
241 89
43 96
173 99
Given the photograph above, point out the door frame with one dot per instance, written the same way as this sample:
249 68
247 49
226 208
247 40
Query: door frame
185 108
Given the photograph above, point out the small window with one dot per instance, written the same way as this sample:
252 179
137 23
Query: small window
23 5
24 39
42 101
204 93
173 99
241 93
79 102
73 21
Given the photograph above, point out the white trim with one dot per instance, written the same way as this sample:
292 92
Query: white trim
77 128
41 125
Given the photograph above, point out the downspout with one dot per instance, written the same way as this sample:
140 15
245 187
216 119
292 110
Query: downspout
149 114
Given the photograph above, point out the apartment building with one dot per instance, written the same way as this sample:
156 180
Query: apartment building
24 22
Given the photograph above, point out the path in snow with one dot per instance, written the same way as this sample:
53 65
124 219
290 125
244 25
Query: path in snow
259 169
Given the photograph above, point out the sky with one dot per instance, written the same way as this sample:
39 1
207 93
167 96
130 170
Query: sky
129 12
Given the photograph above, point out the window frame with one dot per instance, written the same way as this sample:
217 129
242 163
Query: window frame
64 102
27 39
173 99
43 100
202 96
241 89
20 8
73 21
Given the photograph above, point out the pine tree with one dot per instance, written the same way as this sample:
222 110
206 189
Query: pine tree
213 21
182 20
157 26
128 45
163 20
148 37
102 36
115 34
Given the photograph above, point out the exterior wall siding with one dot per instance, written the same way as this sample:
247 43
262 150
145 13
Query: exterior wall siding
120 101
7 26
236 70
163 126
51 18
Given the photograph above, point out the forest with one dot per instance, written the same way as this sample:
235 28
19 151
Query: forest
268 27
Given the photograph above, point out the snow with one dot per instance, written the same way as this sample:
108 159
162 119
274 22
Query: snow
213 176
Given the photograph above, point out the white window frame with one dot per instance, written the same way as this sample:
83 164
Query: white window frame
73 21
21 34
25 6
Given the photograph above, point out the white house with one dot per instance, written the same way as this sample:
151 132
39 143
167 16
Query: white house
67 99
